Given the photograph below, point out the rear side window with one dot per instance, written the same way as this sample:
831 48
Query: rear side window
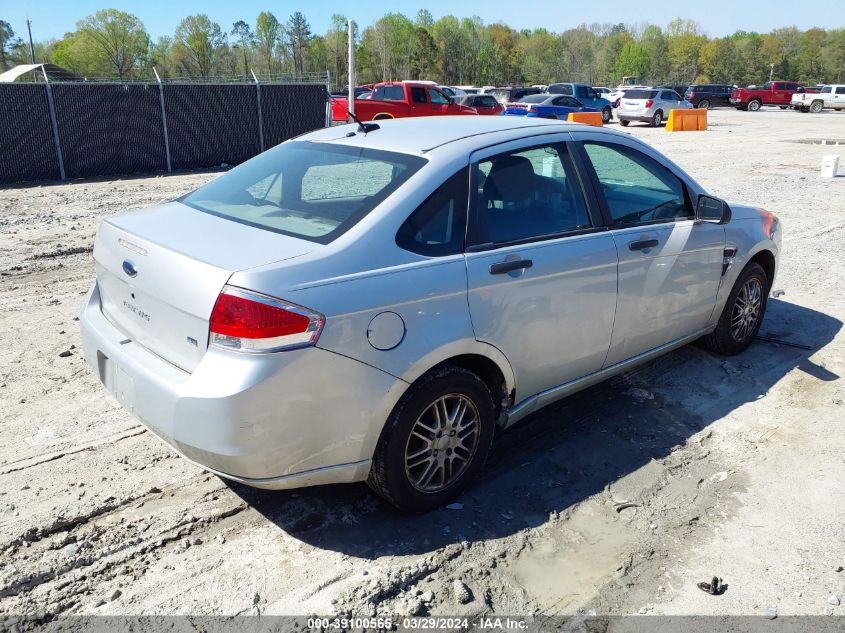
636 187
561 89
418 94
314 191
840 90
438 226
569 102
485 101
527 194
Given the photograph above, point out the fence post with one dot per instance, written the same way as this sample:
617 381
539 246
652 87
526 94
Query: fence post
54 124
260 118
328 99
163 121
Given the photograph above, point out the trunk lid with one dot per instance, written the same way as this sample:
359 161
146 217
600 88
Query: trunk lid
161 270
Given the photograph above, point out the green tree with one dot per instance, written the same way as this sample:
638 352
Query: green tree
298 35
8 44
632 60
268 32
197 44
118 37
244 38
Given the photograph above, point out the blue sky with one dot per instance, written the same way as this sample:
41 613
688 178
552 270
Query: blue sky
51 19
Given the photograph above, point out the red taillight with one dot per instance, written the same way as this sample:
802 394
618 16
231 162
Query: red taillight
649 103
252 322
692 95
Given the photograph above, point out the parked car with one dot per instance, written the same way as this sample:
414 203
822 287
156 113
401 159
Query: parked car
483 104
452 91
602 90
616 96
353 306
546 106
707 96
507 95
587 96
650 105
773 93
832 97
397 100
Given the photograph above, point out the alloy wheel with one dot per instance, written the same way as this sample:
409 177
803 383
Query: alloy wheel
442 443
746 310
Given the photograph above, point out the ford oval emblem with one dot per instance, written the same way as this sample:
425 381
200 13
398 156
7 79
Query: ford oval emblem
129 268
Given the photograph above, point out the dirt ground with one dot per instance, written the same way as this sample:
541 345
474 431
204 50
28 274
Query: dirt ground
619 499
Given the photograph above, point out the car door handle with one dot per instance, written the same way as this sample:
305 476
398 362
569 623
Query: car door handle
500 268
640 245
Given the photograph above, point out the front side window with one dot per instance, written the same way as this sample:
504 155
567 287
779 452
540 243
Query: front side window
581 91
636 187
527 194
438 226
314 191
436 97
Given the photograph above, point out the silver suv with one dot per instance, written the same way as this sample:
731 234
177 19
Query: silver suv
372 303
650 105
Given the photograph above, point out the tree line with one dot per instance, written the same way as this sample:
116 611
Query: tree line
452 50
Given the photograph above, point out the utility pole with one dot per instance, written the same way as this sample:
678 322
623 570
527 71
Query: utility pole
351 73
31 47
32 50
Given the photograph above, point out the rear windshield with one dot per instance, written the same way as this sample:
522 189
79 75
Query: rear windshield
534 98
389 93
314 191
640 94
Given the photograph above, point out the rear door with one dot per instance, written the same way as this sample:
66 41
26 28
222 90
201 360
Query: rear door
670 267
541 272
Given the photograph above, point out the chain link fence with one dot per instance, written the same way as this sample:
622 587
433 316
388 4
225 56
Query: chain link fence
60 130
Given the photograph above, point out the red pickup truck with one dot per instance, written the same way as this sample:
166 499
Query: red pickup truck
774 93
397 100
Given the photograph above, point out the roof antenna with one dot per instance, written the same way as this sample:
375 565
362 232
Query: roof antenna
364 127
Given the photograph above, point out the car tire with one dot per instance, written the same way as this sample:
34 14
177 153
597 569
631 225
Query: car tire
551 116
414 461
606 114
803 109
624 122
783 107
657 119
754 105
737 326
816 107
704 104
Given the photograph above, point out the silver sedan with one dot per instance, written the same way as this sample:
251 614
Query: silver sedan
372 304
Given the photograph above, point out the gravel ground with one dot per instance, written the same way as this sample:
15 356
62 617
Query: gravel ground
619 499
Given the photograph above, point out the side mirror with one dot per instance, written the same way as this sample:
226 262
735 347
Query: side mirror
713 210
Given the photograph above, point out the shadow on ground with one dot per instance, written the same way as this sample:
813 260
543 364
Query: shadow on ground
565 453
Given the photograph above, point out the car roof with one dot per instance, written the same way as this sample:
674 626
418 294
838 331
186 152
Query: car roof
427 135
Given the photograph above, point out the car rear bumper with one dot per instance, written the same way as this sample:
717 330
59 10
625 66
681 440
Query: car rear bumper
632 116
281 420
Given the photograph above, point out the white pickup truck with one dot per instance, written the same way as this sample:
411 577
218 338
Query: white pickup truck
828 97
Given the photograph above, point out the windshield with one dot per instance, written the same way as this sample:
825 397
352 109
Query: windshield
640 94
314 191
